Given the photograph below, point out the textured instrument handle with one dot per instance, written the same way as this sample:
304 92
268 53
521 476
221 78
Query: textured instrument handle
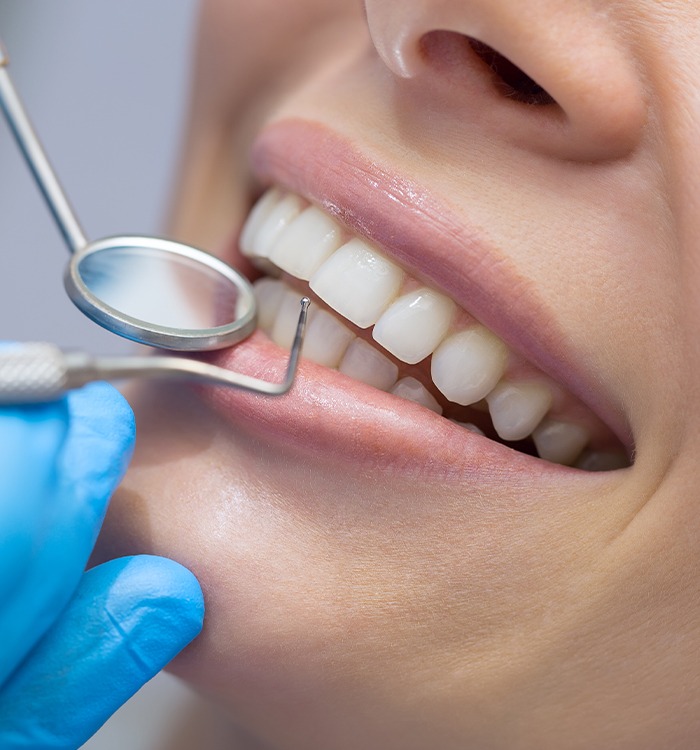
32 373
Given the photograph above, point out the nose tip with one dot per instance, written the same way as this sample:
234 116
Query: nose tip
492 59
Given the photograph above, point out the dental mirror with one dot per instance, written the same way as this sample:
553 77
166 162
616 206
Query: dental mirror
150 290
161 293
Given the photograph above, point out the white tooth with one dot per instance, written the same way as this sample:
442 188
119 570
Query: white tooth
269 294
306 243
357 282
602 461
272 226
560 442
364 363
412 390
414 325
469 426
468 364
517 408
326 339
256 218
285 326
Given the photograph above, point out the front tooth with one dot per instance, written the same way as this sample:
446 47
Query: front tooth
256 218
414 325
308 241
357 282
285 326
363 362
560 442
326 339
517 408
259 245
268 294
468 364
412 390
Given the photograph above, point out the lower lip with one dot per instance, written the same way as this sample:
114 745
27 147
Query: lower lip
343 420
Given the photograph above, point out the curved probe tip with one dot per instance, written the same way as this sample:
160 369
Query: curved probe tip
295 352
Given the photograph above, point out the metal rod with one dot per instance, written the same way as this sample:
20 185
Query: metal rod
36 158
83 369
35 373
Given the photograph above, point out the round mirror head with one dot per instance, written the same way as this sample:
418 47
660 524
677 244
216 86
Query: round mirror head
161 293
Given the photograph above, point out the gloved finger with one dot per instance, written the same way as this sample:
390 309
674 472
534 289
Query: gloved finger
98 447
31 439
93 457
129 618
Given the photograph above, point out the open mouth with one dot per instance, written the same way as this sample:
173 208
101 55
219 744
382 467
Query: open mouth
377 324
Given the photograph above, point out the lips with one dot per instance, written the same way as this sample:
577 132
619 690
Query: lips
400 220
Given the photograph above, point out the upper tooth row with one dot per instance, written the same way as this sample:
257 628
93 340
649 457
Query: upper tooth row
358 282
364 287
517 408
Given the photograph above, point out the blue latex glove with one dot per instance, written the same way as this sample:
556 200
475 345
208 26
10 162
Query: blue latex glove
75 645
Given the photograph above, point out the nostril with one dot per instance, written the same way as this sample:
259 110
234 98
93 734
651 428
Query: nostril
566 85
509 79
455 51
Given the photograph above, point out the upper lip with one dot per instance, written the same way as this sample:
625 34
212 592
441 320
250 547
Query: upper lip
425 237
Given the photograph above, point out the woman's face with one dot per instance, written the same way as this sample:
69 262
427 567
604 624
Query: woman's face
511 196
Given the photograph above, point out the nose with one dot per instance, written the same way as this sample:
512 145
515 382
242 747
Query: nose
557 76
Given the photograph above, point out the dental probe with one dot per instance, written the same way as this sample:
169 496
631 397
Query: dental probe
39 372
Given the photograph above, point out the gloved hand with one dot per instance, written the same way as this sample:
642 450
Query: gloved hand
74 646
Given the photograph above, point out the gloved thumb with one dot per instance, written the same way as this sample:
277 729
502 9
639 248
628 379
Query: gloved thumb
127 620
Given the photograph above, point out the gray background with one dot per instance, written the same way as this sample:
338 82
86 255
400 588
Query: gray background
105 83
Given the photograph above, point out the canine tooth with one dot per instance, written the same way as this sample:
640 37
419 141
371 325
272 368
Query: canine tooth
285 325
517 408
468 364
326 339
357 282
274 223
412 390
414 325
602 461
268 294
308 241
256 218
363 362
560 442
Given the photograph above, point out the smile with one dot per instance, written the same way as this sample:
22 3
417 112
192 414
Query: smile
379 325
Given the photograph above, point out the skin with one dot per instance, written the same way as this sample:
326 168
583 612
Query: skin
348 606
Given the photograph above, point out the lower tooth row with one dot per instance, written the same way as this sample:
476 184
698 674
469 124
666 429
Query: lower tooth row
518 409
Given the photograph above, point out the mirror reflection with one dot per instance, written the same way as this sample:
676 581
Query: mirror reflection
162 288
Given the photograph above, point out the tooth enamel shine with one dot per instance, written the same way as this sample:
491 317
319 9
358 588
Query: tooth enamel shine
414 325
357 282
